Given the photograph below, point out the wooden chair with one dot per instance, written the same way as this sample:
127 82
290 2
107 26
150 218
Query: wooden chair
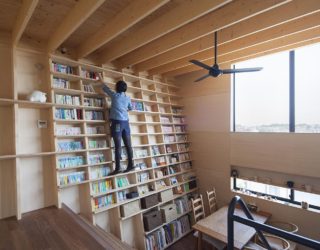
286 226
198 214
212 200
275 242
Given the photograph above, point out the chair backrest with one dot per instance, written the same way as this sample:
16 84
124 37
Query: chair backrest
276 242
212 200
198 208
286 226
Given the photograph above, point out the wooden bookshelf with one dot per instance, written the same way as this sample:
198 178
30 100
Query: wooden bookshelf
157 125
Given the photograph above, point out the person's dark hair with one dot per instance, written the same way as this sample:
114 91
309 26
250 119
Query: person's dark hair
121 86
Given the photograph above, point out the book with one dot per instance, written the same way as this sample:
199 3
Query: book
70 178
70 161
103 201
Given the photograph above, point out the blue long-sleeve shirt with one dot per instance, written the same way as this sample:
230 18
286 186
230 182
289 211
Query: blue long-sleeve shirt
120 104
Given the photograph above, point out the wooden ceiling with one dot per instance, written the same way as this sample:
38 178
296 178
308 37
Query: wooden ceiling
159 37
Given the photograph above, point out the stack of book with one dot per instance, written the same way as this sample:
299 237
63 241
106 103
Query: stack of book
173 158
70 146
169 138
88 88
182 205
184 157
101 186
143 189
94 115
183 147
60 83
143 177
122 182
95 130
103 201
178 111
97 144
140 165
89 74
67 99
122 195
70 161
176 229
155 150
69 178
68 131
99 172
180 129
66 69
185 166
137 106
156 240
96 158
178 120
182 138
139 153
68 114
164 119
158 161
167 129
92 102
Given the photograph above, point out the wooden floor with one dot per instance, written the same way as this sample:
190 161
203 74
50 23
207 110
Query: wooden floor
189 243
48 228
52 228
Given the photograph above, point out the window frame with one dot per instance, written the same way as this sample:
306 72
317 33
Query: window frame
291 190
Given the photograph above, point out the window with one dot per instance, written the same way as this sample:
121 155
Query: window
272 192
272 101
307 89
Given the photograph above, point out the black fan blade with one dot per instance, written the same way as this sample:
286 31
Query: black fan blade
201 78
200 64
231 71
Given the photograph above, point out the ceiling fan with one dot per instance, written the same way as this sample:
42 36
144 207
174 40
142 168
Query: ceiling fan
214 71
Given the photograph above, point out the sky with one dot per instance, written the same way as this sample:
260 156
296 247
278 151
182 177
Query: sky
263 97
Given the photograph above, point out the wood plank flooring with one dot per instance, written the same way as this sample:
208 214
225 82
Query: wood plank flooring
48 228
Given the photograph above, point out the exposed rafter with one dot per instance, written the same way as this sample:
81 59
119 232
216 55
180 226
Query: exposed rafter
296 26
82 10
125 19
230 14
185 12
293 10
273 45
25 13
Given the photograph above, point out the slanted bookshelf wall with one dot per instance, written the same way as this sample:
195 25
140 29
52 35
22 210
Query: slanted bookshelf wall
85 154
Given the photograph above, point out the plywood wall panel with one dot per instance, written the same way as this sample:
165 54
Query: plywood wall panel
287 153
7 189
6 86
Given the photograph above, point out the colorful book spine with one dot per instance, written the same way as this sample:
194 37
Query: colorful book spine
70 161
61 68
101 186
96 158
103 201
70 178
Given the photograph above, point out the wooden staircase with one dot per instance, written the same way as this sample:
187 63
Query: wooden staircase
105 239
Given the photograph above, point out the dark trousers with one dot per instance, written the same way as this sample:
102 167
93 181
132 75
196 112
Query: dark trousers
121 129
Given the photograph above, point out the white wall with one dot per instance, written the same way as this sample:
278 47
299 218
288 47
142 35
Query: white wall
215 149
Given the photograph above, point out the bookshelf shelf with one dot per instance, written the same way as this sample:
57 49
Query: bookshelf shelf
87 170
6 102
179 216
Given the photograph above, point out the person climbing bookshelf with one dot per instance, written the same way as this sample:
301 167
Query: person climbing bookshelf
119 118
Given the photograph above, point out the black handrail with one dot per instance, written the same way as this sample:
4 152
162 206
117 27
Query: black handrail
261 227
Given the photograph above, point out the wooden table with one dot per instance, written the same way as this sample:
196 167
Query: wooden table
216 226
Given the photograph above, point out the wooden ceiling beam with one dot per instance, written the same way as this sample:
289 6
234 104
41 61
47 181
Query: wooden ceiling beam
230 14
184 13
254 51
129 16
25 13
80 12
286 29
285 13
268 52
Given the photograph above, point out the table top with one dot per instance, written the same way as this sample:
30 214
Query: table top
215 225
